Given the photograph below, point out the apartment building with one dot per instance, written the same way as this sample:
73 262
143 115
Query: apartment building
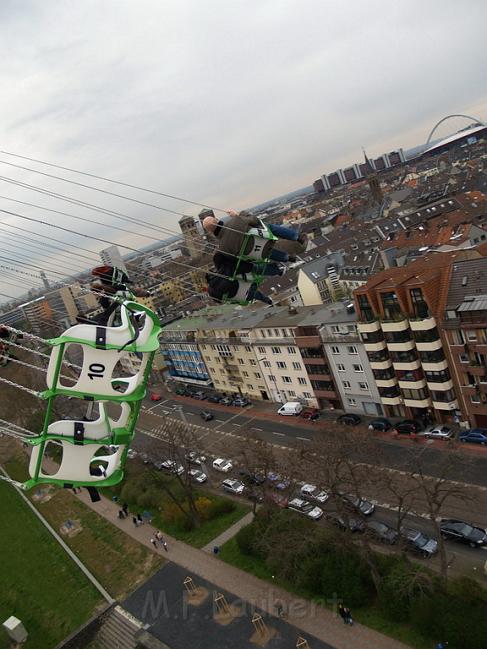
402 316
183 361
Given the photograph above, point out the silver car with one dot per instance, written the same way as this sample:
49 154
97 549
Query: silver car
197 476
312 492
306 508
438 432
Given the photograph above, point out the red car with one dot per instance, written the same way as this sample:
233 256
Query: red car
311 413
155 397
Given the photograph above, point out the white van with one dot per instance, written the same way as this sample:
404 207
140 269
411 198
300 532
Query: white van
290 408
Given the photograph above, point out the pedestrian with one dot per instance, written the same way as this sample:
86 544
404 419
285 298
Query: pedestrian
279 608
134 521
154 542
139 518
125 508
341 613
121 514
348 616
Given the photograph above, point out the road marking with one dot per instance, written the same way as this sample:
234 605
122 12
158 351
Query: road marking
220 420
305 439
280 434
255 428
234 424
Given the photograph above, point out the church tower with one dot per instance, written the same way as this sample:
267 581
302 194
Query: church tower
373 181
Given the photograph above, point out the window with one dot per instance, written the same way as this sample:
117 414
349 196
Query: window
475 398
291 350
296 366
358 368
248 348
352 402
217 381
307 395
347 385
203 346
291 393
272 378
245 373
281 365
261 350
276 350
257 375
335 350
276 333
241 361
287 379
351 349
471 335
267 364
252 362
363 385
340 367
301 380
335 329
463 358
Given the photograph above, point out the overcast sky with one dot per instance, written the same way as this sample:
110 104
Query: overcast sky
226 102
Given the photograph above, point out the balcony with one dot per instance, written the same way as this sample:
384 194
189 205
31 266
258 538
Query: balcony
469 390
477 370
434 366
446 405
406 365
306 341
386 383
418 403
480 348
430 346
412 385
422 324
314 360
401 346
395 325
325 394
375 347
319 377
392 401
482 386
444 385
368 327
380 365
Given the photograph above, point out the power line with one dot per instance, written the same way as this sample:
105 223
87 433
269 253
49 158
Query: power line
110 180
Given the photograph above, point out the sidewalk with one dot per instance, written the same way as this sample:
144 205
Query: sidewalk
322 624
229 533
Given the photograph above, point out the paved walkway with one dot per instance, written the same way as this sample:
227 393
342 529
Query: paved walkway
311 619
229 533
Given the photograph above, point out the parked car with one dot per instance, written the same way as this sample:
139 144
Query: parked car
241 402
419 542
312 414
474 436
438 432
278 481
255 496
226 401
408 427
382 531
349 419
311 492
170 466
206 416
197 476
200 396
381 423
464 532
291 408
220 464
252 478
183 392
306 508
195 458
215 398
155 397
345 522
234 487
360 505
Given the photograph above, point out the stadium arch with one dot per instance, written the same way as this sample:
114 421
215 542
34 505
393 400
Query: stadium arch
469 117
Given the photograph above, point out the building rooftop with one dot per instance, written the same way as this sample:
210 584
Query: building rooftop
468 279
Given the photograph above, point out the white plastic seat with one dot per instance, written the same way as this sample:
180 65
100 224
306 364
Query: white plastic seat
101 428
96 374
76 462
258 243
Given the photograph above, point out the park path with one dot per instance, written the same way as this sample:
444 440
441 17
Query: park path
229 533
311 619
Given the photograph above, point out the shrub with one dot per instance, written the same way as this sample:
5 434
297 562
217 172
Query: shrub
400 587
220 507
245 539
344 573
204 508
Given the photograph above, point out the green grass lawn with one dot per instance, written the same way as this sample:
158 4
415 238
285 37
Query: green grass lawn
369 616
139 478
39 583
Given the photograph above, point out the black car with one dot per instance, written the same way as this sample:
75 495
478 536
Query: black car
349 419
382 531
251 478
381 423
463 532
408 427
214 398
345 522
419 542
206 416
